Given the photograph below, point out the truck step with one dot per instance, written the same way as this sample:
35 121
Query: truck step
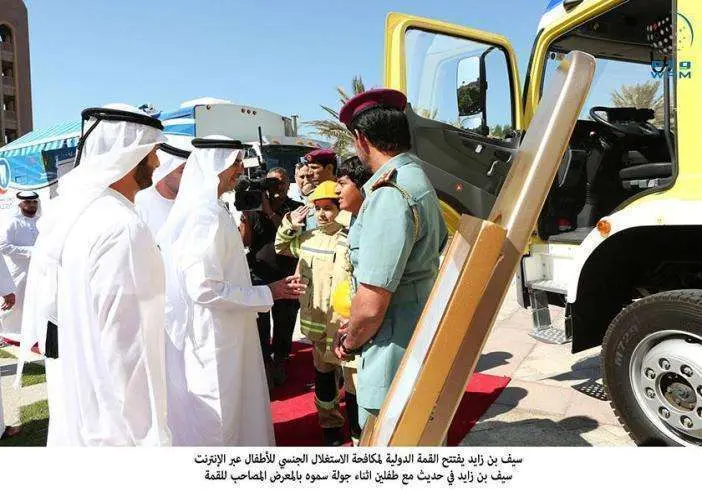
550 335
550 286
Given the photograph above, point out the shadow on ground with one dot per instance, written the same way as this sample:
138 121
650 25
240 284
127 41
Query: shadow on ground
532 432
493 360
588 370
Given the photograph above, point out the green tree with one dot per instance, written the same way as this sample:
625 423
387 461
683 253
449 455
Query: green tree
332 129
642 96
469 99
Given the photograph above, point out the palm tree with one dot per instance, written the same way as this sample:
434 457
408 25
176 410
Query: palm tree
642 96
332 128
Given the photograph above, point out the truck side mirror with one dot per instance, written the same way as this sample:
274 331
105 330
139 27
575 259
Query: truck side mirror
469 87
472 92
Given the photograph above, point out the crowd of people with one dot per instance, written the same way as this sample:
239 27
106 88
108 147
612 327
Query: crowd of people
153 306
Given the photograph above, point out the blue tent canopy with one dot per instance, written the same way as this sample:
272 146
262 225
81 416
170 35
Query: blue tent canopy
30 162
181 121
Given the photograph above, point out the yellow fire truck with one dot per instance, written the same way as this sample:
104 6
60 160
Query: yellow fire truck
619 240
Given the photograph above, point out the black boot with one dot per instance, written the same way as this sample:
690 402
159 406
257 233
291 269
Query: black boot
268 366
333 436
278 371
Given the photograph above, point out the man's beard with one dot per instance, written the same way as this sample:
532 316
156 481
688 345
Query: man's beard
144 175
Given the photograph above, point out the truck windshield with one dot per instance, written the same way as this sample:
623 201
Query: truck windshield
619 84
285 156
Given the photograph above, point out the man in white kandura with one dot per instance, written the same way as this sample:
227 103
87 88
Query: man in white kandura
97 279
7 294
212 308
155 203
16 242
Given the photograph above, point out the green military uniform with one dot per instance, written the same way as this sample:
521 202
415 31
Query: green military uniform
395 244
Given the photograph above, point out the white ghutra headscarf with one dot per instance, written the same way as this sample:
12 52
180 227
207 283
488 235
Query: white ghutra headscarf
171 155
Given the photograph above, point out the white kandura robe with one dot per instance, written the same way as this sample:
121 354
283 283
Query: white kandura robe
7 286
226 401
111 369
16 242
153 208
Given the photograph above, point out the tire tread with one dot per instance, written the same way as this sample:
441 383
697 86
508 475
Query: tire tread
689 297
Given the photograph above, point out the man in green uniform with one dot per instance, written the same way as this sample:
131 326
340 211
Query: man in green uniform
394 244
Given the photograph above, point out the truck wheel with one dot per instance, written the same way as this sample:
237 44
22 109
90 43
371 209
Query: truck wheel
652 365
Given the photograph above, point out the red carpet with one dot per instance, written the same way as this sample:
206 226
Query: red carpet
35 348
295 416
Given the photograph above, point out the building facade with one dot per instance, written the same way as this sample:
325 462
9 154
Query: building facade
15 78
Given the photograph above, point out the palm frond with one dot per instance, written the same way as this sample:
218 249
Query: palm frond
331 111
332 129
358 85
343 96
641 96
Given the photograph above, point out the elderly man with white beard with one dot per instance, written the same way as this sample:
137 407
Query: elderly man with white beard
155 203
98 283
212 308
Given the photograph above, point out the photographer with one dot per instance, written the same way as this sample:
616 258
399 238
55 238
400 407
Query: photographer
258 228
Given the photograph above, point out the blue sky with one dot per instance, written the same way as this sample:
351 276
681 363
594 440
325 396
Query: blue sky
285 56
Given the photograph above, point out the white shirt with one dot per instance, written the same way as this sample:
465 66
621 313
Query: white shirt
16 242
110 331
6 287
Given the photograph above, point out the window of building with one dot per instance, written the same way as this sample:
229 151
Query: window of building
5 34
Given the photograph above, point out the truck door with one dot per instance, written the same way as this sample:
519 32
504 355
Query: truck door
465 117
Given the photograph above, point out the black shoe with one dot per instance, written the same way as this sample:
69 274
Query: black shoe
278 372
333 436
268 366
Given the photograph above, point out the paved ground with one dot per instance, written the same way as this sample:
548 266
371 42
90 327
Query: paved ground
540 407
545 403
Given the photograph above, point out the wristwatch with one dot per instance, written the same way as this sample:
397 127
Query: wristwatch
348 352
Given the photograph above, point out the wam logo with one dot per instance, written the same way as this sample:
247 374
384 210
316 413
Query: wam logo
4 175
666 67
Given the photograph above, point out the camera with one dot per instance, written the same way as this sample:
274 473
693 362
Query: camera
248 194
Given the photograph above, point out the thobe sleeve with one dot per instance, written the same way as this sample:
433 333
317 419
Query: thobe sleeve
7 285
204 279
7 243
127 292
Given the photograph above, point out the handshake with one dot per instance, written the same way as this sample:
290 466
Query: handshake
291 287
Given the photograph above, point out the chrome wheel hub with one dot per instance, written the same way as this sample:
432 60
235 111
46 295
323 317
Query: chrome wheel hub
666 377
